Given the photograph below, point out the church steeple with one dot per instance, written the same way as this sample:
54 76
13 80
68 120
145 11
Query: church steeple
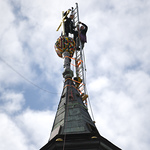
72 115
73 127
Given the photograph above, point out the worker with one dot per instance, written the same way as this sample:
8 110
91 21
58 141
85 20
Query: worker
78 81
82 32
69 26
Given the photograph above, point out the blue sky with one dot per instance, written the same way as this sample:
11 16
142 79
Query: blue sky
117 61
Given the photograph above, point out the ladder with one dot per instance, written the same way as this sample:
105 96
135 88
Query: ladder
79 67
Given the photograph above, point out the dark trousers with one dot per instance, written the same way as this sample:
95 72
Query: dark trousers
75 34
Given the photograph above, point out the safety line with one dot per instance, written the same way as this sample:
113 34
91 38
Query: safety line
27 79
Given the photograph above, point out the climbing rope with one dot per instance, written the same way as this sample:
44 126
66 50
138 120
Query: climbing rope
26 79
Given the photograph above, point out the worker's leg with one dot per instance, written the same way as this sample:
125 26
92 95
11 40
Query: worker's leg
82 45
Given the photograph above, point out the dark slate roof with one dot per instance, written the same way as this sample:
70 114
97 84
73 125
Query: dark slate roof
73 127
72 116
79 142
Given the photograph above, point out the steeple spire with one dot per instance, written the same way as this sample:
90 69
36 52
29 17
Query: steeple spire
73 127
72 116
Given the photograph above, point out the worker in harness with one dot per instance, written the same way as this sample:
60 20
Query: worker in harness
82 34
69 26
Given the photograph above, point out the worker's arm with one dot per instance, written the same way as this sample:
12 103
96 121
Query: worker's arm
66 13
86 27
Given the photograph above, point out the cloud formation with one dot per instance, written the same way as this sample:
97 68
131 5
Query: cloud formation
117 62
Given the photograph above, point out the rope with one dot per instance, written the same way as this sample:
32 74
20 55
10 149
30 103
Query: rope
33 84
86 88
90 107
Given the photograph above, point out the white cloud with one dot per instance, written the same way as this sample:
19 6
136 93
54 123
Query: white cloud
6 17
138 87
26 130
36 126
11 136
118 113
117 60
12 102
99 84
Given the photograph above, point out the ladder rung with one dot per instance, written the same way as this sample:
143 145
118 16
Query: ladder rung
79 72
76 22
75 17
80 86
82 90
79 68
74 9
78 56
80 75
75 13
